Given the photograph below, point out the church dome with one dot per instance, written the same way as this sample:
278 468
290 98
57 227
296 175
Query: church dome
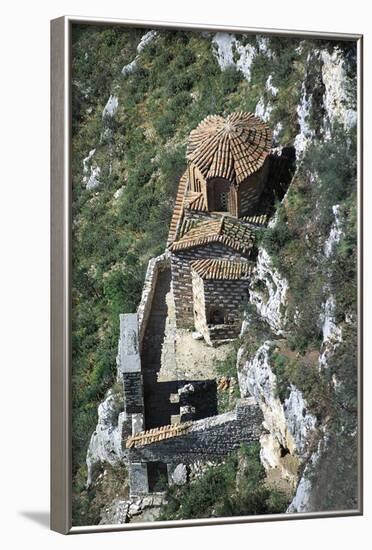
232 148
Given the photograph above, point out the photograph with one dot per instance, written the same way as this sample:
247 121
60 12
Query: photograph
214 276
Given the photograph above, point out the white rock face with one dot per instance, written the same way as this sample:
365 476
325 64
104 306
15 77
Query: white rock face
132 66
179 475
87 160
230 52
122 511
270 454
129 68
93 181
290 424
119 192
263 45
303 111
224 43
246 56
263 110
336 100
300 423
335 234
270 304
270 87
258 380
145 39
105 443
332 333
277 131
329 328
110 107
301 502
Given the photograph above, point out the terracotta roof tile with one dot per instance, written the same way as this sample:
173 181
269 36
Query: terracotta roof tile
222 269
195 201
178 208
226 231
156 434
261 219
185 226
233 147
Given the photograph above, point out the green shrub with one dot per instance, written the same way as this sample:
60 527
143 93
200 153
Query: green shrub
275 238
281 371
217 493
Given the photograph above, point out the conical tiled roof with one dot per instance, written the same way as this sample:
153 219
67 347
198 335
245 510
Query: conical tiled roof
233 147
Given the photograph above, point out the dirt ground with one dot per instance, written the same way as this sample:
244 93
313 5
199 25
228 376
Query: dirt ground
183 357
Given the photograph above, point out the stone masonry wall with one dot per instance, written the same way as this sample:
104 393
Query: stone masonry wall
144 308
207 439
130 374
229 297
250 191
182 279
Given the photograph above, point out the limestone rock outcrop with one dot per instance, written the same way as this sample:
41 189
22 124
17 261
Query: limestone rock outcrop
106 441
268 292
289 425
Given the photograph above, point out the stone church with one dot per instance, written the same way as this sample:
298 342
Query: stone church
211 235
201 284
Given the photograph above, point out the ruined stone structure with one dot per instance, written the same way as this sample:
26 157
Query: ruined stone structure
210 258
130 374
203 440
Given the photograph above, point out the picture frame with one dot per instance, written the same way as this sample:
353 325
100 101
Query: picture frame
61 270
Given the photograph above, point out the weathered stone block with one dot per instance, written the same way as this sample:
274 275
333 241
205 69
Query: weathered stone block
177 475
138 479
133 392
129 347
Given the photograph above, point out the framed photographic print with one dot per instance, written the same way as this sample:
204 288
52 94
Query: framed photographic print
206 281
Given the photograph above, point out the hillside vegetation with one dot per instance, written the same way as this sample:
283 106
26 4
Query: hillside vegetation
132 110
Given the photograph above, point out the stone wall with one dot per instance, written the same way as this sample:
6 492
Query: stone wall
130 374
154 266
182 278
251 189
230 297
138 478
207 439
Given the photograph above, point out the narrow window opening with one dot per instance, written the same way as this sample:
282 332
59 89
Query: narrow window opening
223 201
216 317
